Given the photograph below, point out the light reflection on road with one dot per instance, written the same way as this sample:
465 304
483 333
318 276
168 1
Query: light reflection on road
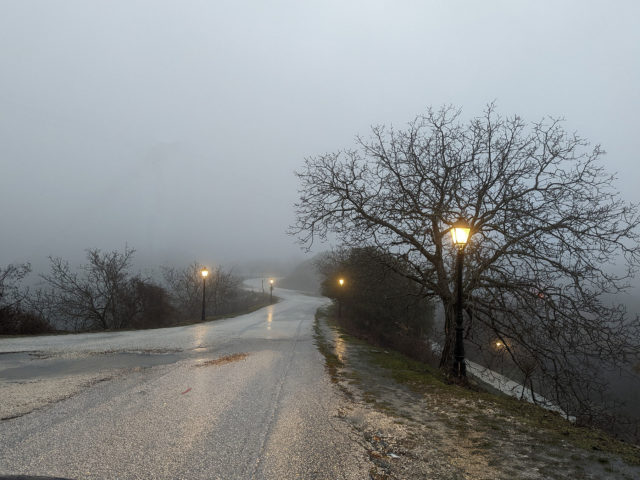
199 334
340 347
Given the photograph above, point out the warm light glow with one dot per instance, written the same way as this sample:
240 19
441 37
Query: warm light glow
340 347
460 233
204 272
271 281
498 344
341 282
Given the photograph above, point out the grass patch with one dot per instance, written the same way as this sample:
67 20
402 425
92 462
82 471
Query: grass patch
419 376
550 426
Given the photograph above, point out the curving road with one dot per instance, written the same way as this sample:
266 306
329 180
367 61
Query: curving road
168 411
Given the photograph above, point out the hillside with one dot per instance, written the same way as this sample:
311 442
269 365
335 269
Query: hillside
304 277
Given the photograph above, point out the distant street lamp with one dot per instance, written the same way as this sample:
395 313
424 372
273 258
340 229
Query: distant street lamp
460 235
271 290
341 283
204 272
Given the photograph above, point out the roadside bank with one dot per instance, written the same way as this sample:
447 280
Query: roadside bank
414 425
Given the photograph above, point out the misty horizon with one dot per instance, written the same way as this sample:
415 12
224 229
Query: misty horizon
176 129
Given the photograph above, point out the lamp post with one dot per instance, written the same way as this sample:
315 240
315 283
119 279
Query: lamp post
271 290
460 235
341 283
204 272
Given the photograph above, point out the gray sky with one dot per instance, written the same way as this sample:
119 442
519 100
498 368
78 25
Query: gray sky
175 126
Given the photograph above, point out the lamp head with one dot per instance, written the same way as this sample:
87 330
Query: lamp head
204 272
341 282
460 233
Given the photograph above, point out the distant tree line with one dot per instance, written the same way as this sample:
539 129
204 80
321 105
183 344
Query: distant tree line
376 302
104 294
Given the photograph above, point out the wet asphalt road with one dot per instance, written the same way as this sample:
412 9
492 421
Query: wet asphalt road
271 415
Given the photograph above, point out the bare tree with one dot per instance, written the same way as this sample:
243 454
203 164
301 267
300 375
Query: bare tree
93 297
185 287
10 278
548 228
15 318
225 291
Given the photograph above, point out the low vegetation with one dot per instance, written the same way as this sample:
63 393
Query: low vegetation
14 321
104 294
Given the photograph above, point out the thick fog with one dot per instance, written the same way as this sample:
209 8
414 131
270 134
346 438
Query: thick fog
175 126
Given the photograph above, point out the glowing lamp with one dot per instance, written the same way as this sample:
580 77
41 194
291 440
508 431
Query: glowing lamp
460 233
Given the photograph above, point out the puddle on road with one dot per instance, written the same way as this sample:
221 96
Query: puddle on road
27 366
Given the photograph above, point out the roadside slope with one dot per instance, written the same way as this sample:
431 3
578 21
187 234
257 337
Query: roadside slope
416 426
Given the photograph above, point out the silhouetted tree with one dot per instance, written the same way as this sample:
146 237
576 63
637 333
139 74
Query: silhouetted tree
93 297
547 226
185 288
101 294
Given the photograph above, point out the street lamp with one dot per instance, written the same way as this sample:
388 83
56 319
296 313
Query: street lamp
204 272
460 236
341 283
271 290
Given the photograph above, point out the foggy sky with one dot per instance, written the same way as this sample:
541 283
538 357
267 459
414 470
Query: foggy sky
175 127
